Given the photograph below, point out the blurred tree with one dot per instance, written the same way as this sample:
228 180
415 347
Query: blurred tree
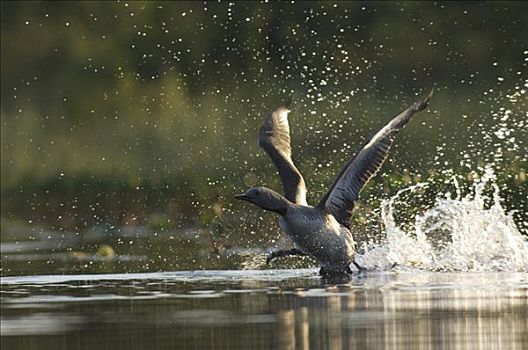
124 106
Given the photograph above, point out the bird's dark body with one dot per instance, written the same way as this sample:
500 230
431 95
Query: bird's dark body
322 231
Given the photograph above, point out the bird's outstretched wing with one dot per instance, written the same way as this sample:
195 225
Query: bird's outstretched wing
344 193
274 138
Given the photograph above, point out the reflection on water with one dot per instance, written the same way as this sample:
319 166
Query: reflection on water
275 309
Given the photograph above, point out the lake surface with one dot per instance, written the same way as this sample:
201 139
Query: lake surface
266 309
98 291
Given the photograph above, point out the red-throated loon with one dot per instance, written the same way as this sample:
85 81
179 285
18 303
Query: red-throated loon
322 231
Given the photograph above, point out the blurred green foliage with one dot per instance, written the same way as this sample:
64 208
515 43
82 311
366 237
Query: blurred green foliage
121 111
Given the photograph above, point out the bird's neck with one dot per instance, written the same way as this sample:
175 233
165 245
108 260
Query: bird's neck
278 204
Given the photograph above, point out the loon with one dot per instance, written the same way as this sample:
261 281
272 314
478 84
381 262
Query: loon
322 231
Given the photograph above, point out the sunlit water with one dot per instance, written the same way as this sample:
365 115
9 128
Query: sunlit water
465 233
456 279
272 309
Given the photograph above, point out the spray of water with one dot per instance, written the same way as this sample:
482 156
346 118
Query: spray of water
481 234
464 232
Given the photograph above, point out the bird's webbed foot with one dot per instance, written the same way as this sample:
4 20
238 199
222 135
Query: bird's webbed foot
359 267
284 252
343 270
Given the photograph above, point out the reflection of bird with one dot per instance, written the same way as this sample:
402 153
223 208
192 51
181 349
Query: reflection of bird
321 231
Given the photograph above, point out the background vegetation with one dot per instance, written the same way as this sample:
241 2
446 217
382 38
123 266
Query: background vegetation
131 113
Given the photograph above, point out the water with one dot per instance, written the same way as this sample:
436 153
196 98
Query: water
456 278
272 309
471 232
451 274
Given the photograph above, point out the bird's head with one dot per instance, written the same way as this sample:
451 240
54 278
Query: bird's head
266 199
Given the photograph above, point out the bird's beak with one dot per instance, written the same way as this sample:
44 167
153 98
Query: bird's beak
242 196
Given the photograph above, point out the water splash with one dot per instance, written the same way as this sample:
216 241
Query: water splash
471 232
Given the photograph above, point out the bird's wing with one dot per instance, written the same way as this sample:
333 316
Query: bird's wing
274 138
344 193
